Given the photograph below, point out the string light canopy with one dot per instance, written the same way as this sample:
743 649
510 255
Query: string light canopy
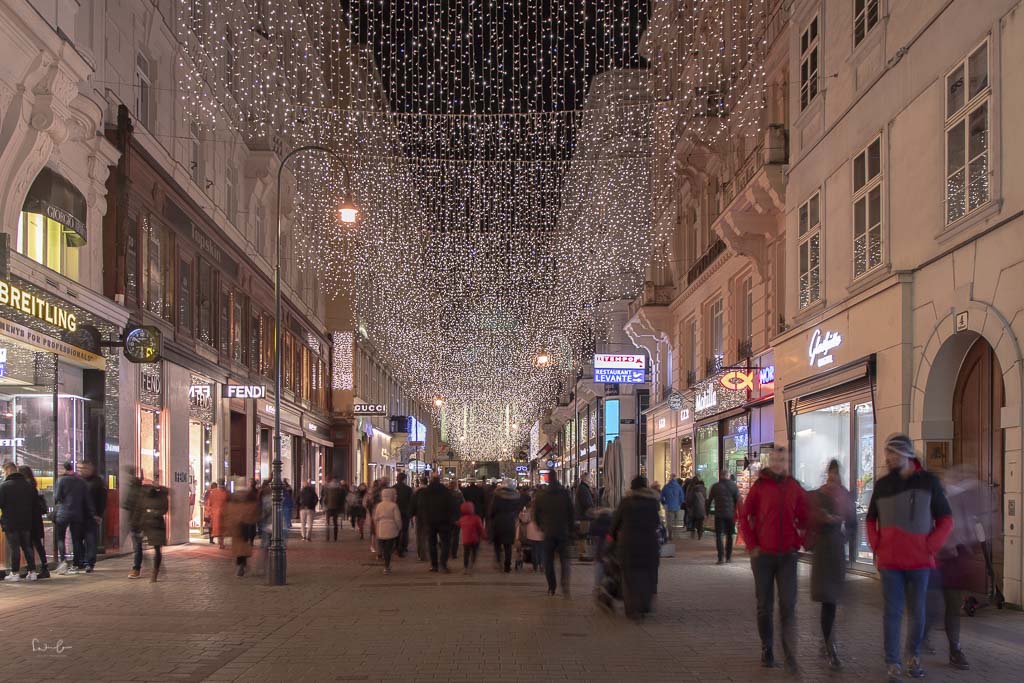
500 154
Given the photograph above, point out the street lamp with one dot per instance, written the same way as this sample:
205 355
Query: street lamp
542 360
348 213
438 402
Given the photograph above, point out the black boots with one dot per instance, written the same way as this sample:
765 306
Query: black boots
767 658
832 654
957 660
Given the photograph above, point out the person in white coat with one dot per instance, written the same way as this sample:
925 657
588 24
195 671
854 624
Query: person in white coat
387 525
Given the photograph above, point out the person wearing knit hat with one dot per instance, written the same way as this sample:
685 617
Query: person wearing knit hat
908 521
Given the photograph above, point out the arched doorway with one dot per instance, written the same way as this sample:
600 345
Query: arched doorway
978 397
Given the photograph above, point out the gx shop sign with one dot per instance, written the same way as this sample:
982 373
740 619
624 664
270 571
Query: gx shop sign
738 380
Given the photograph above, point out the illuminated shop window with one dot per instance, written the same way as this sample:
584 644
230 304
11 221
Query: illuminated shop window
46 241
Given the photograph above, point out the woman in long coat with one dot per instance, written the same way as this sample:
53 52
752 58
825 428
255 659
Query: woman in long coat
240 516
635 535
154 503
834 516
216 499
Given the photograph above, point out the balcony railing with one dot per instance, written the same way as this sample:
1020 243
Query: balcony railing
705 261
744 349
712 365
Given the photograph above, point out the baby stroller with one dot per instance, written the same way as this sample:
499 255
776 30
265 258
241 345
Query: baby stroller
610 588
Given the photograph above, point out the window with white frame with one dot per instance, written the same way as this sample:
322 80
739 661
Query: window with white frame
809 63
967 135
867 208
195 153
143 91
865 17
809 241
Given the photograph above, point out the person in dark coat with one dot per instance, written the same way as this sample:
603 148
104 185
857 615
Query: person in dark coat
504 513
37 521
74 506
832 512
553 512
439 511
18 504
725 497
475 494
458 500
154 502
635 534
94 525
418 513
403 498
332 500
696 503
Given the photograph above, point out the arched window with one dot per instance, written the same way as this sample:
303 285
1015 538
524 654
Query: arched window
51 226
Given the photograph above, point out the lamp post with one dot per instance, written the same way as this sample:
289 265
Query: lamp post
348 213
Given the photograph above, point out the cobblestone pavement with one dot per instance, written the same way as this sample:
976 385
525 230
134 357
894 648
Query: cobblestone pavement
340 618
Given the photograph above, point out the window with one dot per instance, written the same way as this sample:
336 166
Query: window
255 336
231 196
131 263
746 309
237 341
809 63
865 16
206 303
159 268
967 135
224 331
143 91
258 229
692 349
716 338
867 209
185 296
810 251
196 154
49 243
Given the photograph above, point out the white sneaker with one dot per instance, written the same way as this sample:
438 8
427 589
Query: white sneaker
12 577
72 570
62 568
32 576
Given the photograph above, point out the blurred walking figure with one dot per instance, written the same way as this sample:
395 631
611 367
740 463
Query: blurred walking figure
216 500
240 516
908 519
93 527
672 497
504 513
387 523
37 522
585 502
458 499
73 507
530 534
438 509
772 520
356 511
833 517
554 514
635 535
725 497
155 502
697 504
288 503
471 527
970 505
419 514
307 510
332 500
403 493
18 504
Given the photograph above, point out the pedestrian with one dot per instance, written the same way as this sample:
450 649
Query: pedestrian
265 526
216 500
240 516
93 525
530 534
725 498
332 500
672 499
18 506
73 507
288 504
908 520
37 522
453 486
132 505
584 503
504 512
773 519
475 494
356 511
600 538
439 510
833 512
554 514
471 527
154 502
308 501
635 535
418 513
697 504
403 498
387 523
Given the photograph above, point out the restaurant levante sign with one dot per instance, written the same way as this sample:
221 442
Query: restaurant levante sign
30 304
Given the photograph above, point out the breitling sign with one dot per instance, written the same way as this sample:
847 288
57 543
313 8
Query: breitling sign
30 304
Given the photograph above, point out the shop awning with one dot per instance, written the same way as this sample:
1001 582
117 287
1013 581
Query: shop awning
55 197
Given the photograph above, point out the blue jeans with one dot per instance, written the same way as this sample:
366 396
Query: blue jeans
136 549
92 540
904 587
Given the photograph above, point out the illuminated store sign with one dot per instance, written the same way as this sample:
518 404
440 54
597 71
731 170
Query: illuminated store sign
819 353
3 362
707 399
613 368
766 375
17 442
30 304
245 391
369 409
738 380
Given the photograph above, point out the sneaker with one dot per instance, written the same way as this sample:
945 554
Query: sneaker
387 570
957 660
72 570
914 669
134 574
894 673
12 577
63 567
88 569
31 576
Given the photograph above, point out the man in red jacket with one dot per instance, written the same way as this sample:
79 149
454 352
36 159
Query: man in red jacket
908 521
772 520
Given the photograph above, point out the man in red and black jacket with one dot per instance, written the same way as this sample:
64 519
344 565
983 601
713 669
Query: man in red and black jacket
772 520
908 520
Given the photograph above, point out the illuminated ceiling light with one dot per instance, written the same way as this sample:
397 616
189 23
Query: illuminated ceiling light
542 360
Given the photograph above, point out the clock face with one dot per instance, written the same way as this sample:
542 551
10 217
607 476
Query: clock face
142 345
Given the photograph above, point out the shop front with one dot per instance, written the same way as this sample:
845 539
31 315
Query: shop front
670 439
202 396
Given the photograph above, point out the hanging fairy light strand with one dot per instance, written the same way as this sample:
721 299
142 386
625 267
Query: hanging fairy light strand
502 155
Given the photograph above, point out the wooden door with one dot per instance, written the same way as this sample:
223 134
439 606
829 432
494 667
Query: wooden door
978 442
238 434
